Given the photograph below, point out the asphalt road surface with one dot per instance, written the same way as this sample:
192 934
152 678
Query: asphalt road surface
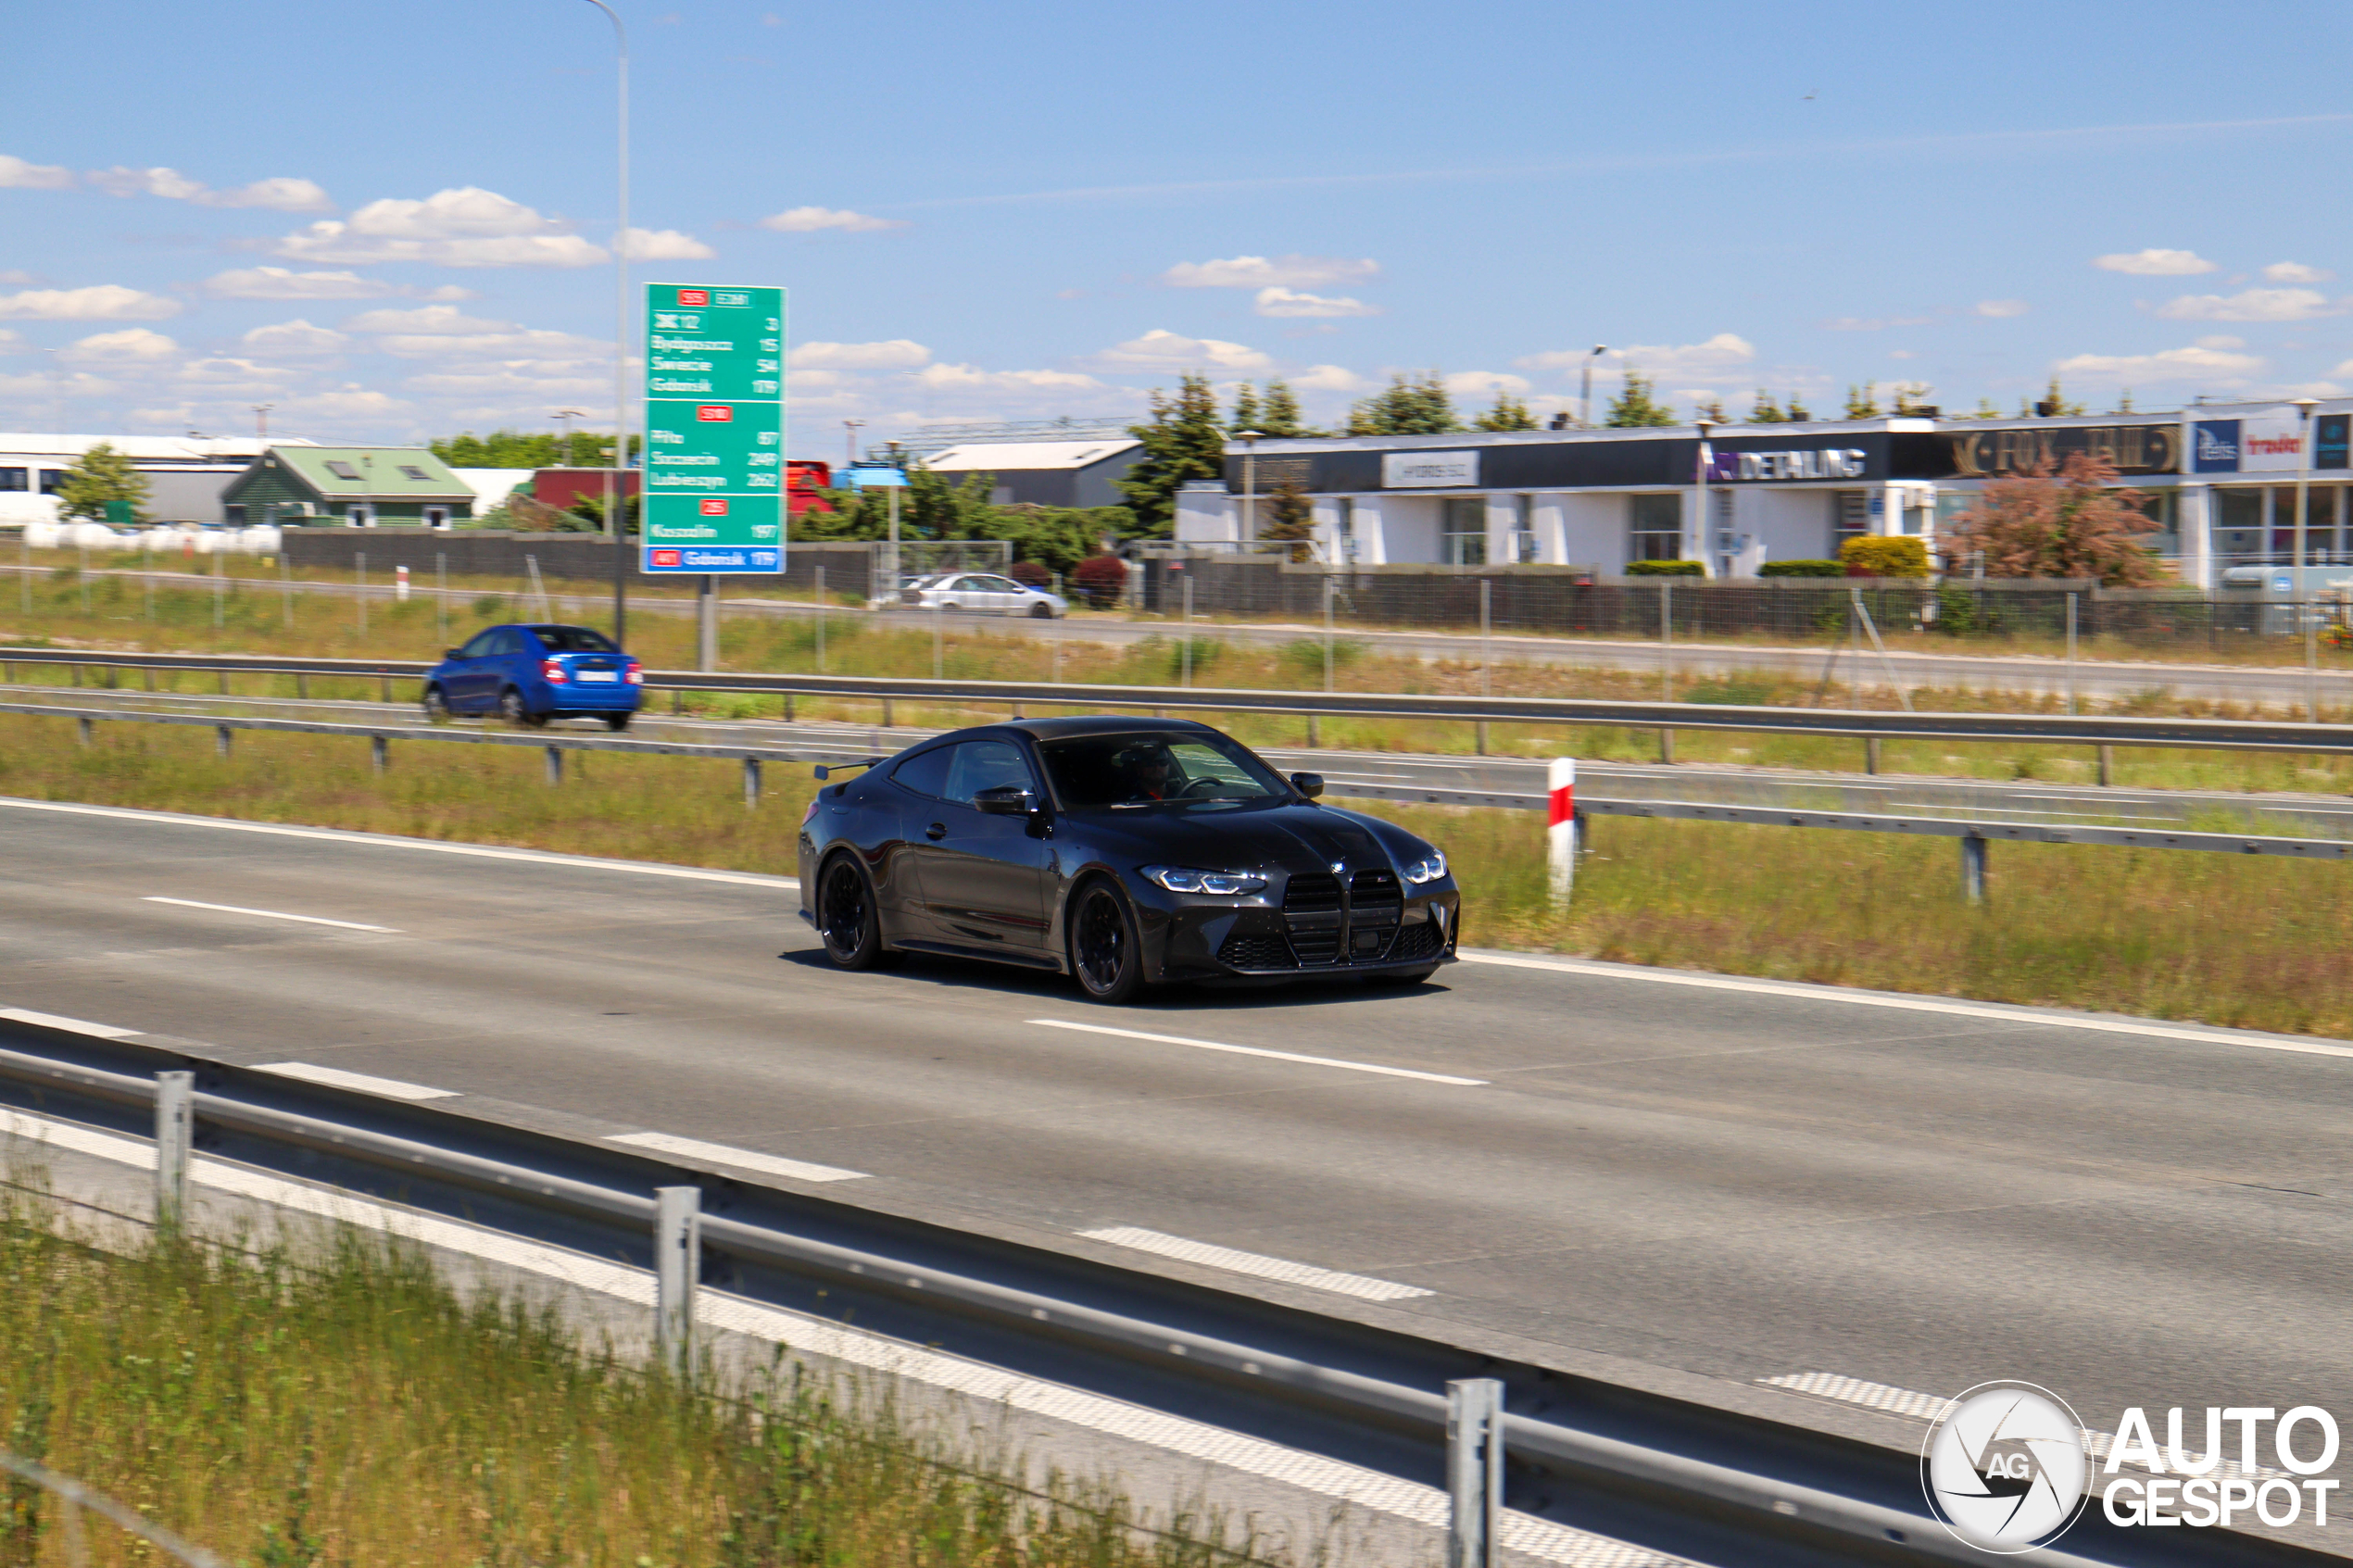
1698 1182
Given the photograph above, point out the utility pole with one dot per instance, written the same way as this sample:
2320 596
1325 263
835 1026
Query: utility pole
1586 398
614 521
261 420
1249 438
560 416
850 428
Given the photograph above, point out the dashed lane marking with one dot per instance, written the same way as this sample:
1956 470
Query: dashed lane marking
1260 1050
367 1083
1362 1285
270 914
743 1158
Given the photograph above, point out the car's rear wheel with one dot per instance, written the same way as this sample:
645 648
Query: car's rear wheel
436 706
512 709
1104 953
616 720
848 916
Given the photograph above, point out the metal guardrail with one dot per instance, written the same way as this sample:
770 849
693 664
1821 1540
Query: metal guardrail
1974 834
1717 1485
2219 735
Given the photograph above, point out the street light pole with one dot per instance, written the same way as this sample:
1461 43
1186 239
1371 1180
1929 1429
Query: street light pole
613 519
1587 396
2303 407
849 442
1249 438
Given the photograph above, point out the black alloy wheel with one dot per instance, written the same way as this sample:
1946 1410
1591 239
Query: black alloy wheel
1041 613
511 710
437 704
616 720
1103 950
847 917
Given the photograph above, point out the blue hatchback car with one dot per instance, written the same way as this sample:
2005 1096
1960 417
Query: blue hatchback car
529 674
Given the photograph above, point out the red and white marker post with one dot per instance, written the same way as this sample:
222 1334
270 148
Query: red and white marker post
400 583
1560 835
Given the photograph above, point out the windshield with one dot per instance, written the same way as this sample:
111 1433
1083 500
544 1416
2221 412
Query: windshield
573 639
1139 770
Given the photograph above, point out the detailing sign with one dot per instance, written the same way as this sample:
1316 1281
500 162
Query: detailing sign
2215 448
1428 471
1835 462
2270 442
714 457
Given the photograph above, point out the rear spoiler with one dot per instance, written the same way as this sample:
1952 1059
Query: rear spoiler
825 771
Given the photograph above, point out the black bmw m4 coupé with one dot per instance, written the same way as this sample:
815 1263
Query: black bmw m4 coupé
1126 852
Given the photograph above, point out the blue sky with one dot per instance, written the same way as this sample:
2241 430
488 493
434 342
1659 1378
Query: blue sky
391 222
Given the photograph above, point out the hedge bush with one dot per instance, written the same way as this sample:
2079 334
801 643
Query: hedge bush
1665 569
1101 579
1801 568
1884 554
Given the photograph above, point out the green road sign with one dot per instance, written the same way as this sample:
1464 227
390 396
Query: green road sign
715 456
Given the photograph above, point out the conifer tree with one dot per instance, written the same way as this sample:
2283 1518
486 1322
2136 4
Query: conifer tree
1765 410
1246 414
1797 412
1291 520
1509 413
1279 413
1419 406
1862 402
1635 407
1183 440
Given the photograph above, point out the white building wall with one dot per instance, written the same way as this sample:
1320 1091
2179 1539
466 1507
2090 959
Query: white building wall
1371 524
1410 529
1592 532
1503 524
2195 518
1791 524
1207 517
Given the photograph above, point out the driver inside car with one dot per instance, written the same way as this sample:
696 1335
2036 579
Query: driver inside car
1149 772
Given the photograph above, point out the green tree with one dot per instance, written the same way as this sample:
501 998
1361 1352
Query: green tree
1767 409
1246 415
99 476
1911 398
2077 525
1418 406
1509 413
1635 407
1710 409
1280 416
2056 403
1183 441
1291 520
1862 402
1798 412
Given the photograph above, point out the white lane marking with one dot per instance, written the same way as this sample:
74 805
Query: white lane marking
1258 1263
270 914
1928 1407
367 1083
1427 1506
749 1158
1259 1050
1909 1004
393 841
78 1025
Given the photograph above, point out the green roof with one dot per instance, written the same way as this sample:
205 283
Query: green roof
371 473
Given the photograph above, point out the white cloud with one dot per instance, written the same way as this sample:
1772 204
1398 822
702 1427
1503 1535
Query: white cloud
1259 272
11 342
281 194
463 227
1330 378
971 377
131 345
294 337
1162 350
2296 272
424 318
100 302
2195 364
2155 263
1874 324
665 244
1722 359
283 282
1483 383
1278 301
536 345
2252 304
898 354
2001 310
18 175
524 377
2221 340
815 220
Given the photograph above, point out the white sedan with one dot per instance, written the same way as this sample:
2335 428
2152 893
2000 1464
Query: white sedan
982 591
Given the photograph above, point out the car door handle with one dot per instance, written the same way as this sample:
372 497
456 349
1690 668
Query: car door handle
936 831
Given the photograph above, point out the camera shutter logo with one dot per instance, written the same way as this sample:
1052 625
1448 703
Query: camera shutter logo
2003 1467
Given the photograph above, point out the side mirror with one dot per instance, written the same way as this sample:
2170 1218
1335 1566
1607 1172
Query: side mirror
1006 800
1308 784
448 653
821 773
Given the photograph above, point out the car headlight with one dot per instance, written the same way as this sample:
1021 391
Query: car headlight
1184 879
1429 870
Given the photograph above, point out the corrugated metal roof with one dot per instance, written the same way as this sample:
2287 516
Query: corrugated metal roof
369 472
1026 456
176 450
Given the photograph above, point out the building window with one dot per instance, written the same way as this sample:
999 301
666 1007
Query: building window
15 479
356 515
2162 507
52 481
2238 526
1465 527
1655 531
236 514
1347 526
1524 528
412 471
1850 518
341 469
437 517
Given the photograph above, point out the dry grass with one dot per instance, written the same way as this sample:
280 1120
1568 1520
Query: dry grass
336 1403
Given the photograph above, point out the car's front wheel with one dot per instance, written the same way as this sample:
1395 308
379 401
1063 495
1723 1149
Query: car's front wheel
1104 953
1041 613
848 916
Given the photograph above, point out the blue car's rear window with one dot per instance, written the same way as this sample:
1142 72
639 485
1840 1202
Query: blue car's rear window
573 639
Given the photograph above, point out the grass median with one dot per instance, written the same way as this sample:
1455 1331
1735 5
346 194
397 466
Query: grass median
2247 941
255 619
334 1401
